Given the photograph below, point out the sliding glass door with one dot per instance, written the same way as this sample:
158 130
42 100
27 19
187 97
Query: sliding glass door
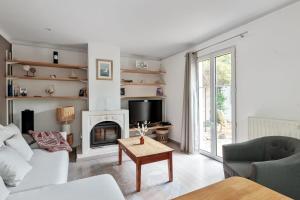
216 79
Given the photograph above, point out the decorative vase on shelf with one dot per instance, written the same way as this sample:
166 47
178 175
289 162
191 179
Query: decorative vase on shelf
143 129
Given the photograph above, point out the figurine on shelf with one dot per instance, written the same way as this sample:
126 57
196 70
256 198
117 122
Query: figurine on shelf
23 92
26 69
50 90
83 92
142 131
32 70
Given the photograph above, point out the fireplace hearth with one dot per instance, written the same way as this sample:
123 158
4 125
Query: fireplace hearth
105 133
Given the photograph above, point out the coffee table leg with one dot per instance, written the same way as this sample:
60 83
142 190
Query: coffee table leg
170 166
138 176
120 155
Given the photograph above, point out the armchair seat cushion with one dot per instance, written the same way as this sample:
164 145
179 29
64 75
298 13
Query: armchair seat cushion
242 169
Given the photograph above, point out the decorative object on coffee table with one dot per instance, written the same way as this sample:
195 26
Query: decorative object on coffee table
162 135
65 115
142 131
151 151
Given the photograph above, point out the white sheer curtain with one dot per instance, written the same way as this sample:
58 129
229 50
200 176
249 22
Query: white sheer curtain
190 114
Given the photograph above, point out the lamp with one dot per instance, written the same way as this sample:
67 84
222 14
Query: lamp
65 115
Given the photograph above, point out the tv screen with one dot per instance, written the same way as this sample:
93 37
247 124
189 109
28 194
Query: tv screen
145 110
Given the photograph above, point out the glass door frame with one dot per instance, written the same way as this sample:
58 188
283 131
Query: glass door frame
212 57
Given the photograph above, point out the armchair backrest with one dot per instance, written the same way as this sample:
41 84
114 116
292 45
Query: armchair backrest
278 147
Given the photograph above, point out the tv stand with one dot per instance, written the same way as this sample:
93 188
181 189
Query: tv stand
151 128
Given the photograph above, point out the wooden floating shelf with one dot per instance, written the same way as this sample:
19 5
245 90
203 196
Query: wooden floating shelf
142 84
44 78
143 97
46 97
45 64
152 128
136 71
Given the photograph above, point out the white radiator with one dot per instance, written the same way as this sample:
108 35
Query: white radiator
260 127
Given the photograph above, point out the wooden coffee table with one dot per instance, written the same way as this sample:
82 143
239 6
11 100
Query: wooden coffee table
234 188
149 152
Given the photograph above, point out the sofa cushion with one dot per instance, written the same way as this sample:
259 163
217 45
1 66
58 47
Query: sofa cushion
4 192
18 143
101 187
5 133
240 168
13 167
48 168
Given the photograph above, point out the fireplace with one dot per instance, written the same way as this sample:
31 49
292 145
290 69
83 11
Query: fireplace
105 133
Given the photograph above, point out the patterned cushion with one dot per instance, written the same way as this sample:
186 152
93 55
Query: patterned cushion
50 140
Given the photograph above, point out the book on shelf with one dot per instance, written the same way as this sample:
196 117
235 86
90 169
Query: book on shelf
10 89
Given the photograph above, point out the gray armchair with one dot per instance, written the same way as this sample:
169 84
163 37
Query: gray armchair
271 161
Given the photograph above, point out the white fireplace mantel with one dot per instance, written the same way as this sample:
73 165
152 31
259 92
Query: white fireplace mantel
90 119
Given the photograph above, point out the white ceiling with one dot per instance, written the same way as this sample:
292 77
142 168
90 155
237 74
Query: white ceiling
156 28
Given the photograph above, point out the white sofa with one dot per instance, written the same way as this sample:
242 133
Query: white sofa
93 188
48 180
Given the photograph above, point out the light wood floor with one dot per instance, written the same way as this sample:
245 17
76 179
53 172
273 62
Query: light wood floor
191 172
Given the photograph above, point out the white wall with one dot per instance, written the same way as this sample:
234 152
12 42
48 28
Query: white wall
103 94
267 70
174 66
45 110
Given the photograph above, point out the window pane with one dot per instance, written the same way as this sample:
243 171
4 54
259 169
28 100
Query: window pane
223 101
205 99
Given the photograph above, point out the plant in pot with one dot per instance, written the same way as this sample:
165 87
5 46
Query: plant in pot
143 129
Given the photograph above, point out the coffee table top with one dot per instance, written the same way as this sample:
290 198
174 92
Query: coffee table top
150 146
234 188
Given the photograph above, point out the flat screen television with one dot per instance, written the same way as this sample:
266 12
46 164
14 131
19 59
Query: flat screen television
145 110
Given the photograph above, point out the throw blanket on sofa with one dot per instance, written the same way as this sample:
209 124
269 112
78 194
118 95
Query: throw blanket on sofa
50 140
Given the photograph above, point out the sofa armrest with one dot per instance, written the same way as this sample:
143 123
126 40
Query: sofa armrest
252 150
282 175
64 135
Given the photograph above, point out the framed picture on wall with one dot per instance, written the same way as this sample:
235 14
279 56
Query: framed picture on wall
104 69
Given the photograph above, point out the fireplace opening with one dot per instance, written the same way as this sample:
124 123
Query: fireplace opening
105 133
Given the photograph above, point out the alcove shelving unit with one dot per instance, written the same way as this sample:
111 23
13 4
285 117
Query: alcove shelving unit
10 77
139 84
136 84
